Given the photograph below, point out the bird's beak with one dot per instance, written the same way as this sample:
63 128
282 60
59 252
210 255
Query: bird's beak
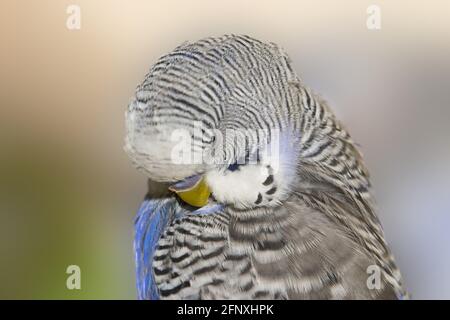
193 190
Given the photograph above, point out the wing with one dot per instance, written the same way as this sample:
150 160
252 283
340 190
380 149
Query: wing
288 252
300 253
152 218
190 256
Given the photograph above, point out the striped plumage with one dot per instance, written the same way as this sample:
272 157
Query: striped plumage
307 230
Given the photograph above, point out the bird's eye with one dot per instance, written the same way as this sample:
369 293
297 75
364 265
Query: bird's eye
233 167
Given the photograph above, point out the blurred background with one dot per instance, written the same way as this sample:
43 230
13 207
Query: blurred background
68 193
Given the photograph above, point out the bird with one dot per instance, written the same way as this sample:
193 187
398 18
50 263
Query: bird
256 189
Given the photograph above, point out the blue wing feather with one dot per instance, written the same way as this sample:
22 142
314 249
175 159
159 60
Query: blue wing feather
152 218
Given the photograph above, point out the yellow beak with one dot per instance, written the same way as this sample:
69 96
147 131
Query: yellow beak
195 192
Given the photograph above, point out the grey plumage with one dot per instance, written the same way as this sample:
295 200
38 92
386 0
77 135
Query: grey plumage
308 231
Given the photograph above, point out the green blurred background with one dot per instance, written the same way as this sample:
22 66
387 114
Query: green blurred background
68 193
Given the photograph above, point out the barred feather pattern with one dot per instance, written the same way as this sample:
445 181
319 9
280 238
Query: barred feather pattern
318 242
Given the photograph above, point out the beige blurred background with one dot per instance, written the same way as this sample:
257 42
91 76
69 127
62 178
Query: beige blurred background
68 193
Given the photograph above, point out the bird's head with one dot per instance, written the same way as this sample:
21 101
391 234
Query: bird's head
213 117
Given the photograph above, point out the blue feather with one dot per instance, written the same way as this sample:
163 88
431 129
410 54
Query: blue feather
152 218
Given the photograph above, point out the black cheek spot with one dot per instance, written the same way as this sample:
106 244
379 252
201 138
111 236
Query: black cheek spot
272 191
269 180
259 200
233 167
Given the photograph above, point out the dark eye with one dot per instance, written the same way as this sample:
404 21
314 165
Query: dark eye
233 167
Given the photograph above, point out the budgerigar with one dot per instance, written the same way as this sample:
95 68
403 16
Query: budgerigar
226 216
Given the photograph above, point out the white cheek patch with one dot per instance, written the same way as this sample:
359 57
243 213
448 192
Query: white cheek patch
237 187
254 185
